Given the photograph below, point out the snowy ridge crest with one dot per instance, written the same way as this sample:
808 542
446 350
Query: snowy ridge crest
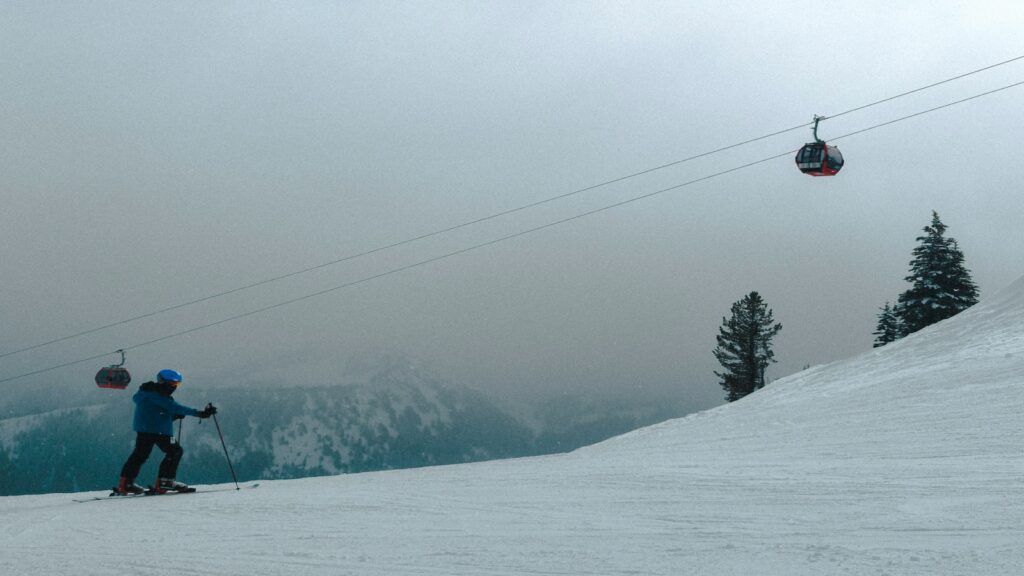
956 377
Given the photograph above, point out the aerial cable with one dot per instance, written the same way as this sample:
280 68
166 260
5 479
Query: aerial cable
496 240
923 88
395 244
404 268
923 112
496 215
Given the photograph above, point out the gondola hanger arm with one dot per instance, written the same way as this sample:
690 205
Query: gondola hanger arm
816 120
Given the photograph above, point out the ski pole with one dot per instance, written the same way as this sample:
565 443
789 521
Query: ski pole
230 467
180 422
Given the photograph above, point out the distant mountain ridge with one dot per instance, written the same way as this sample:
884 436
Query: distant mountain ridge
395 419
389 415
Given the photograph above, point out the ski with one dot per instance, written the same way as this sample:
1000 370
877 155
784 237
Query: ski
114 496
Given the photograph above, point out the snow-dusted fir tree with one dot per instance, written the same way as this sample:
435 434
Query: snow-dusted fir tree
745 346
941 286
890 327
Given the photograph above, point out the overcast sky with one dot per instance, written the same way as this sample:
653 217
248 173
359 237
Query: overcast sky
153 153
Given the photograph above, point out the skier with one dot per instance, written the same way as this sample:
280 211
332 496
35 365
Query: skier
155 412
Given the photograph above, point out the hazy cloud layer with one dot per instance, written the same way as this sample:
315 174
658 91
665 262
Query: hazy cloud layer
153 154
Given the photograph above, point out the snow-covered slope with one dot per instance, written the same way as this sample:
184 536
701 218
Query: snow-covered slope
906 460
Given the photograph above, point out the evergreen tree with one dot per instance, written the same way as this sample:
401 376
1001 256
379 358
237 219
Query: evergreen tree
890 327
941 286
745 346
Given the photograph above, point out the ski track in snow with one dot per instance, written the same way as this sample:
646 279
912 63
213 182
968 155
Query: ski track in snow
907 460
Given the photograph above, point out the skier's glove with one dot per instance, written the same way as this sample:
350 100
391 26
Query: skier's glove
210 410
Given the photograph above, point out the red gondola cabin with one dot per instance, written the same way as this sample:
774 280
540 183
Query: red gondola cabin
819 159
114 377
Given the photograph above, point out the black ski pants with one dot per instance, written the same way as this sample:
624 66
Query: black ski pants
144 443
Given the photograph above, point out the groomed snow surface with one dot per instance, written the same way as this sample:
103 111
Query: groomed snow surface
906 460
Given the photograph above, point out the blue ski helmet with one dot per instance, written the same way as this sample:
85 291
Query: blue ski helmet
168 376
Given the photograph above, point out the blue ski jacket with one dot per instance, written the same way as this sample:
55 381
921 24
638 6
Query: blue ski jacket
155 410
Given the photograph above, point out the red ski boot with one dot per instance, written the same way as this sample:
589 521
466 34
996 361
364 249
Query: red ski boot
165 485
128 487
